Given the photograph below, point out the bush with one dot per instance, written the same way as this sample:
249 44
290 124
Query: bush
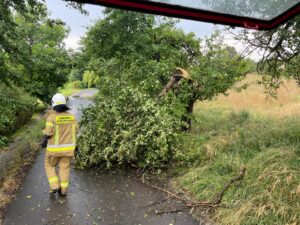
40 106
16 108
75 75
89 79
77 84
130 129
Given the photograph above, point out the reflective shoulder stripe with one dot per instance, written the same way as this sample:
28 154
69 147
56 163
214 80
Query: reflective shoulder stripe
64 119
49 124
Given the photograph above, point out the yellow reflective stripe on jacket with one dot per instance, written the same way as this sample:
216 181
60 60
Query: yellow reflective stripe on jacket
65 119
59 103
56 140
61 148
53 179
49 124
64 184
74 133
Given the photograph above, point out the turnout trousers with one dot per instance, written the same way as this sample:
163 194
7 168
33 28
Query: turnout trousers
62 179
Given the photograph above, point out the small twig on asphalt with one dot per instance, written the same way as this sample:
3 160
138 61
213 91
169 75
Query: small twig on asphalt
168 192
156 202
188 204
170 211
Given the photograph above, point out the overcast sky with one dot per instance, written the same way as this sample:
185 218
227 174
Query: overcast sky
78 22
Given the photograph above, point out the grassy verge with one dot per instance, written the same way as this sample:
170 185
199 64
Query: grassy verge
222 143
229 134
69 89
26 146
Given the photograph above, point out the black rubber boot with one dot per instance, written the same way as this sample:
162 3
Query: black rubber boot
52 193
61 194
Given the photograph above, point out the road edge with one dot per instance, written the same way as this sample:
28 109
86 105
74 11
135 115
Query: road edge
17 159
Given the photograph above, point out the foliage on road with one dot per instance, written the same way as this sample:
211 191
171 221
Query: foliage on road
131 128
134 57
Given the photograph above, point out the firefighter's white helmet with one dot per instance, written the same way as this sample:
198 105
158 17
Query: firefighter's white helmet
58 99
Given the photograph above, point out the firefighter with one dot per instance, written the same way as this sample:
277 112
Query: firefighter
60 140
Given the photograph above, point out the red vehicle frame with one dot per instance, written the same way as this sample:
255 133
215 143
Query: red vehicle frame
199 15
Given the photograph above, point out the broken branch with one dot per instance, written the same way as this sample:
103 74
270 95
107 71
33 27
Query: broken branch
217 200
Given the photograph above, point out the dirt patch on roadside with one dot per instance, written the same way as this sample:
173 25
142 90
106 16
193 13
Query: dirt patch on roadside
16 160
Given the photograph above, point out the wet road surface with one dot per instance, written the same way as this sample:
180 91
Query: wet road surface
95 197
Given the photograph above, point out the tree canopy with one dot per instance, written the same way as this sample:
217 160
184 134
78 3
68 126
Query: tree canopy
32 51
280 49
134 56
136 42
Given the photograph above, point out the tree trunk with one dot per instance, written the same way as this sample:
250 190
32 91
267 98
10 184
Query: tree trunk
187 118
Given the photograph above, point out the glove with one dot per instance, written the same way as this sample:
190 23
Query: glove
77 152
44 143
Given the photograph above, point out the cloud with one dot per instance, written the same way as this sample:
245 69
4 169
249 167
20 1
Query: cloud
240 47
73 42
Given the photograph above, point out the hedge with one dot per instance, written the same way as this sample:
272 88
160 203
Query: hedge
16 109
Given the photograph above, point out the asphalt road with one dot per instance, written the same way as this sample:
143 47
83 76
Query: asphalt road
95 197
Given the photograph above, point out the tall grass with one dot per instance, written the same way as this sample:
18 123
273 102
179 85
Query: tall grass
226 136
255 100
